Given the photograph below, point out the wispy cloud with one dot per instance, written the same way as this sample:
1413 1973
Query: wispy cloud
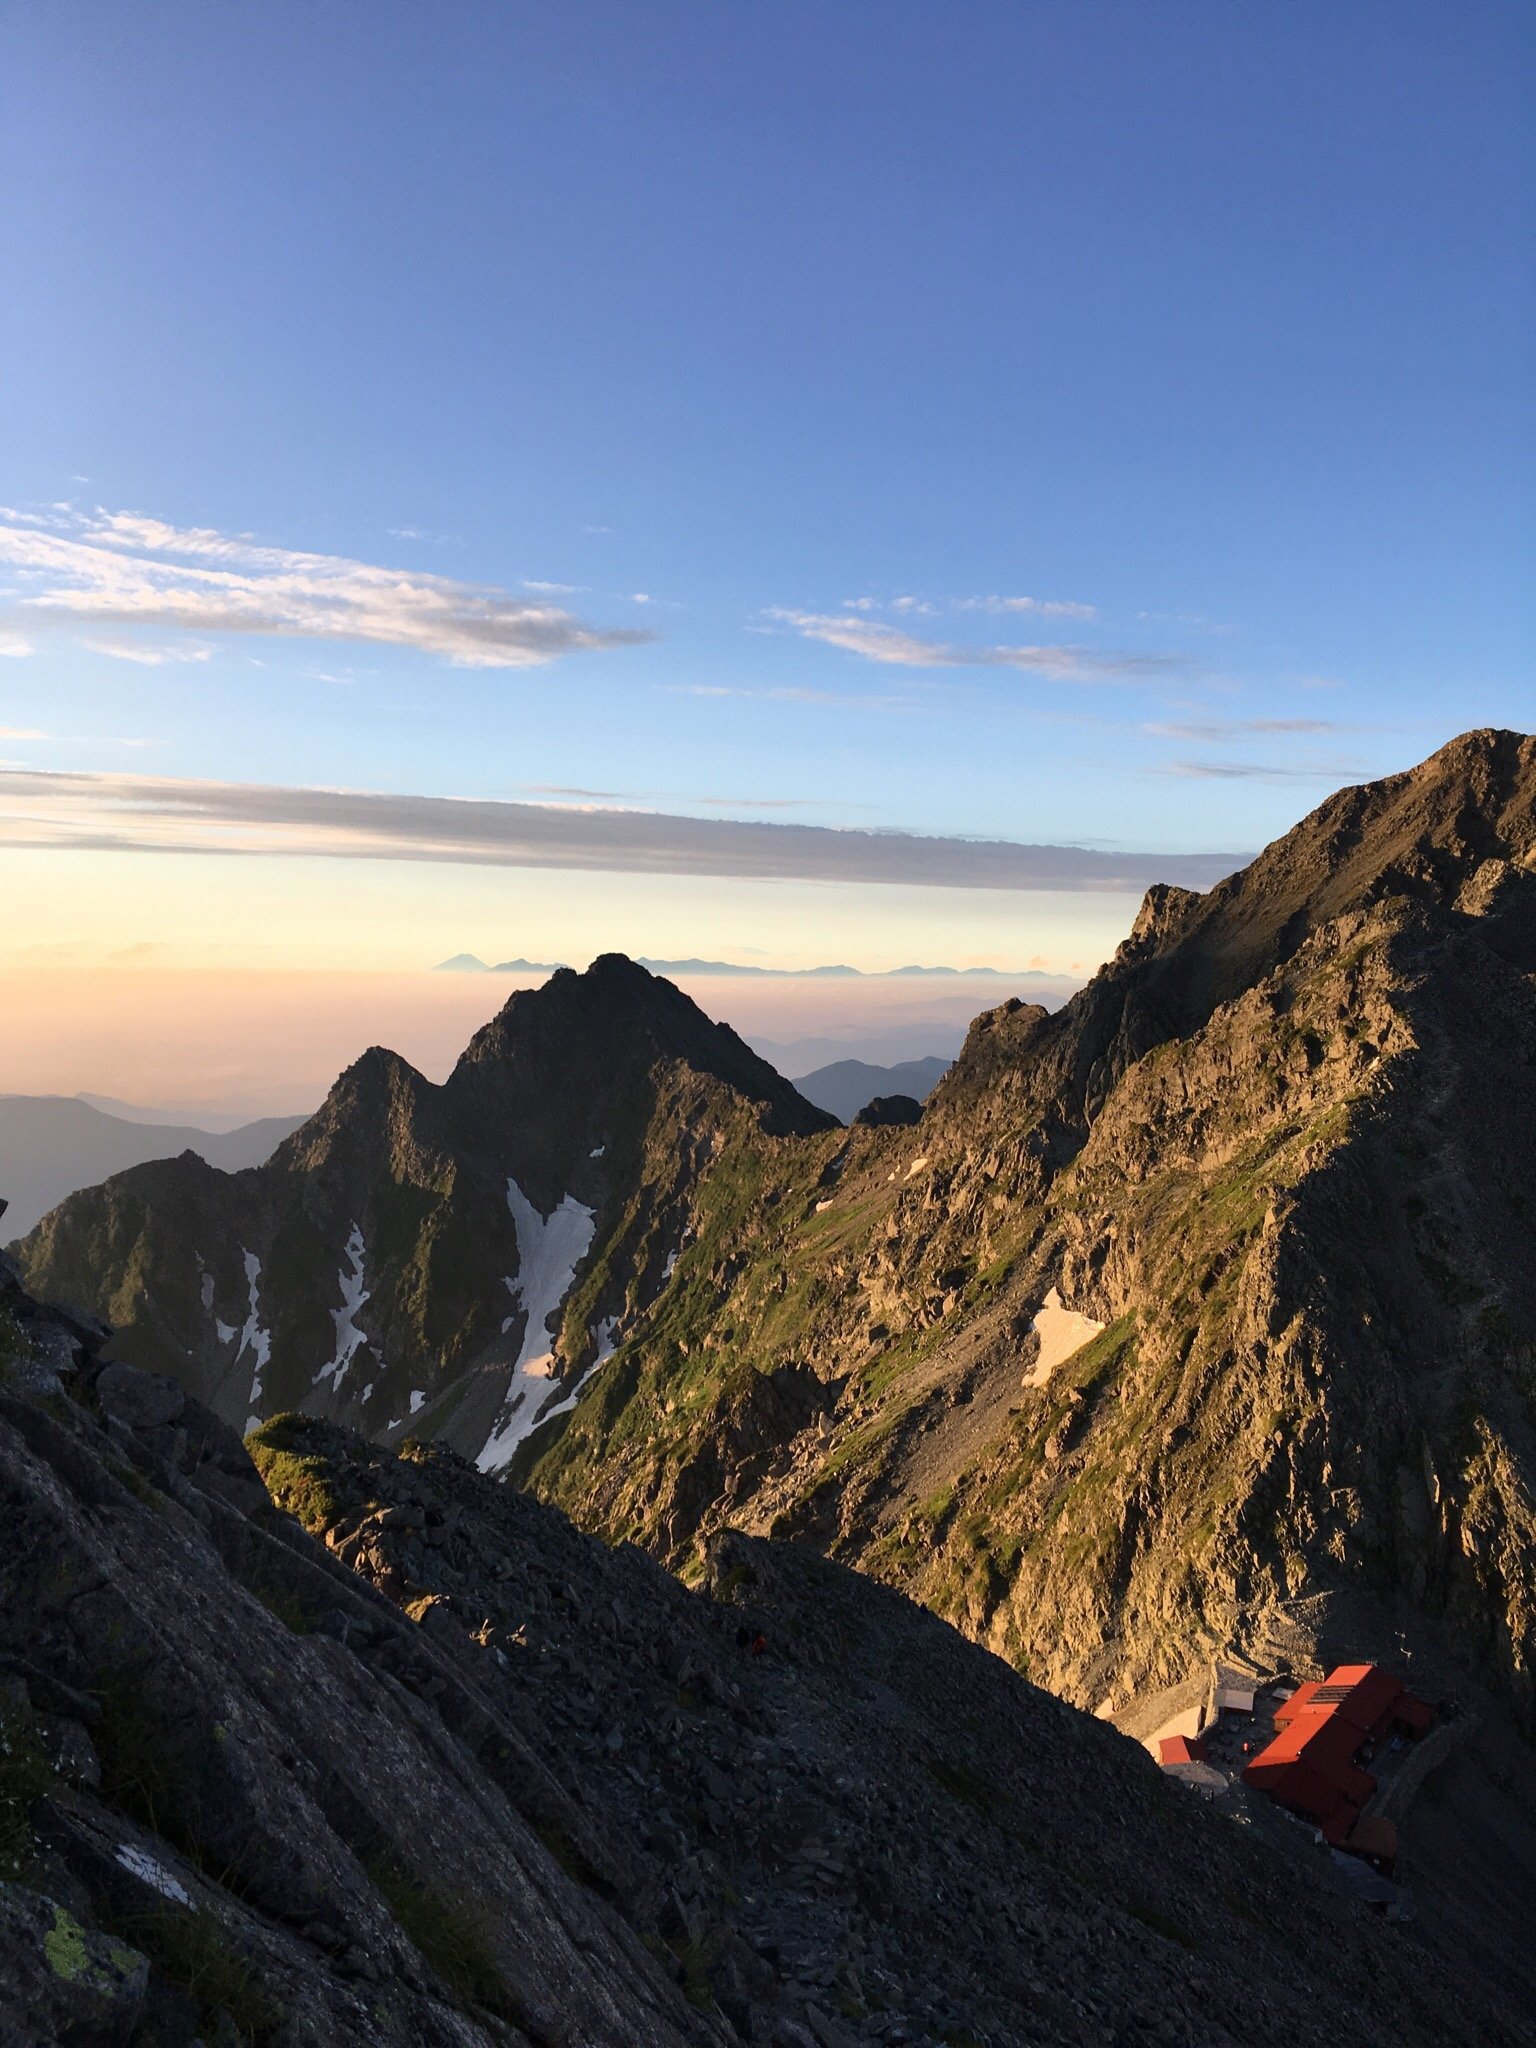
123 813
566 789
875 641
752 803
1042 607
126 569
1262 771
22 732
562 791
14 645
1221 731
794 694
146 652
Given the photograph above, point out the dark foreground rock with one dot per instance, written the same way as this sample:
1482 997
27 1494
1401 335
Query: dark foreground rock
241 1797
438 1768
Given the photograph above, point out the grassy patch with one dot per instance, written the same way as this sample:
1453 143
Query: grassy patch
698 1959
280 1601
24 1776
448 1931
135 1767
971 1788
299 1483
194 1952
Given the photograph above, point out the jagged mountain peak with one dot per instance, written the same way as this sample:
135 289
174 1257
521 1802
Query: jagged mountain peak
1440 838
457 1257
1418 834
593 1030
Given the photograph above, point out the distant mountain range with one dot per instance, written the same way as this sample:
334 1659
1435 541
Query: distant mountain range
846 1086
470 963
50 1145
184 1117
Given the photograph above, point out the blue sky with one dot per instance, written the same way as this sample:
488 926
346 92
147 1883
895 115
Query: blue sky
1093 424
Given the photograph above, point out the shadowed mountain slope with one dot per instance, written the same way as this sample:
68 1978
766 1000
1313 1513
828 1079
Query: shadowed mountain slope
455 1257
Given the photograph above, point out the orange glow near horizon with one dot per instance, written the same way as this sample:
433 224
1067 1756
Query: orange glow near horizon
268 1042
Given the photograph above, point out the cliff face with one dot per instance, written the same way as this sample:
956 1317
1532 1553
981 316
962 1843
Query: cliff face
1281 1150
450 1260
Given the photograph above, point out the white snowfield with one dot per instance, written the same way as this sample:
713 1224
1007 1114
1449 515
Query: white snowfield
253 1337
1061 1332
549 1249
353 1294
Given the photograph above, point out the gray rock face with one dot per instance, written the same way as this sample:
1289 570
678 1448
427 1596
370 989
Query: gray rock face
141 1400
240 1791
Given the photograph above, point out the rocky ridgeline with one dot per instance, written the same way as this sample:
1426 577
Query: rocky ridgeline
1280 1149
426 1765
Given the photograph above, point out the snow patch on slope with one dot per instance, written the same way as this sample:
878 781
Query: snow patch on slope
606 1333
253 1337
1061 1332
353 1294
549 1249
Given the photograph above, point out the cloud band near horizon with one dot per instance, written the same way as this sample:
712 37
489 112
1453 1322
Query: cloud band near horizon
49 809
